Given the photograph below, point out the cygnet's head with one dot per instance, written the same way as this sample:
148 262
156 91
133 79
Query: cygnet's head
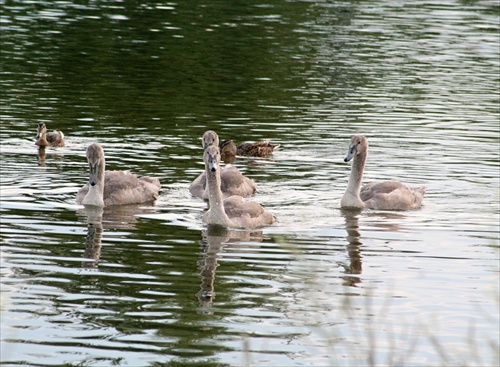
210 138
358 145
212 158
95 157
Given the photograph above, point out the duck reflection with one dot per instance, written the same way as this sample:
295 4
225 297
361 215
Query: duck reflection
228 159
98 218
355 266
53 155
214 238
41 156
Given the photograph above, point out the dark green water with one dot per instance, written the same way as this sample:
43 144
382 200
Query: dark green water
131 286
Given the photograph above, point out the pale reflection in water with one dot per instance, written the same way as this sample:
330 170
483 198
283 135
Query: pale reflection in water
355 266
114 217
214 238
94 237
387 221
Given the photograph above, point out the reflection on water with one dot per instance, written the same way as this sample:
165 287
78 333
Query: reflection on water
208 266
386 221
114 217
41 156
355 266
94 236
93 245
212 244
147 79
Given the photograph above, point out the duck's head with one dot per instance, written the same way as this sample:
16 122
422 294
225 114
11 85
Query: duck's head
41 129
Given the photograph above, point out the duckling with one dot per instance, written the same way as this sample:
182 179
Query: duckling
44 139
114 187
258 149
386 195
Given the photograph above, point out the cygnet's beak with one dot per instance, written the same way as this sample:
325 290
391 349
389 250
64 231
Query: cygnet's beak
212 166
93 174
350 154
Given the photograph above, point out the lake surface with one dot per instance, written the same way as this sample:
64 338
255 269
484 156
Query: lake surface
150 285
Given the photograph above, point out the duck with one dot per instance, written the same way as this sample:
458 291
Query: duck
233 211
386 195
44 139
233 182
259 149
107 188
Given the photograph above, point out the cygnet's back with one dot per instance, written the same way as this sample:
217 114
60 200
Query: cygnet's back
114 187
123 187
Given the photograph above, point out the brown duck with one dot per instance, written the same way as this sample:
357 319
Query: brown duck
258 149
44 139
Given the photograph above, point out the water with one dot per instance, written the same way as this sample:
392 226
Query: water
150 285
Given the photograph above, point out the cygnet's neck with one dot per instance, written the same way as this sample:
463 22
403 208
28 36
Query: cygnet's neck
95 195
351 196
216 212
